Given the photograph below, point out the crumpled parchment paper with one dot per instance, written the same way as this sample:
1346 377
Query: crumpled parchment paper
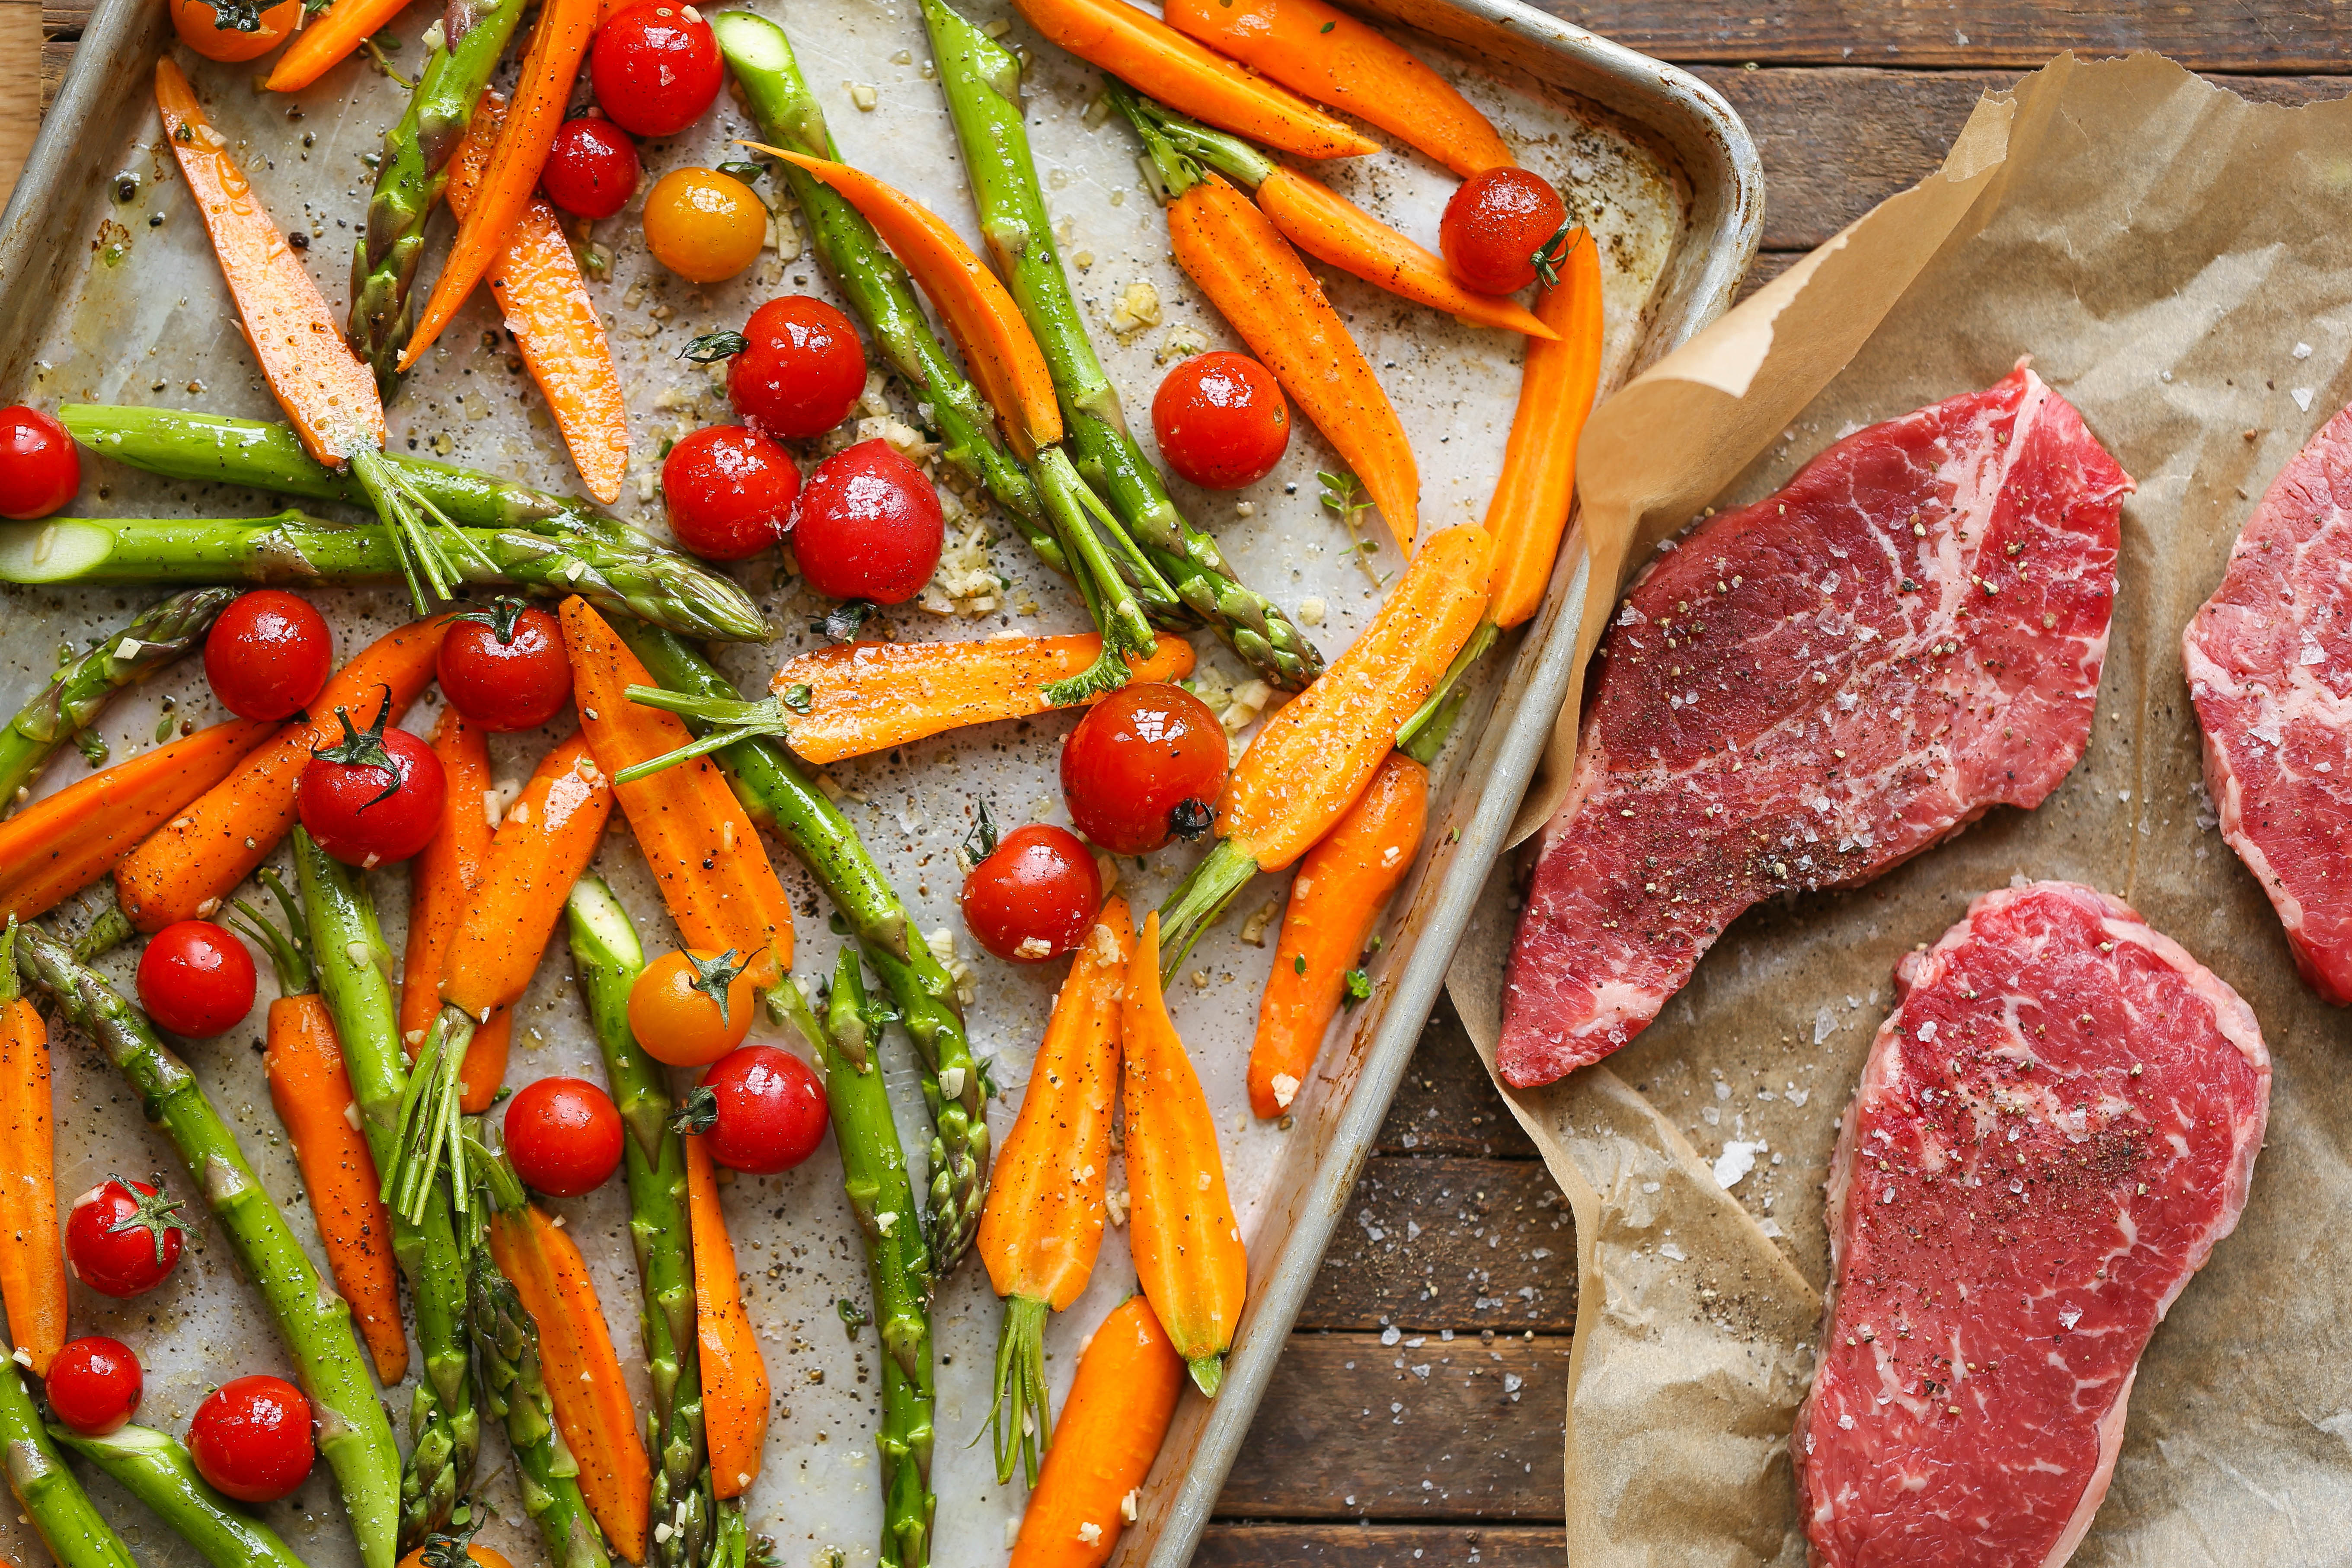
2175 261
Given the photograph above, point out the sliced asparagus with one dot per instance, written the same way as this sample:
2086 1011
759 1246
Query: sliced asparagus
606 948
352 960
64 709
956 1085
59 1512
155 1468
618 571
314 1322
983 82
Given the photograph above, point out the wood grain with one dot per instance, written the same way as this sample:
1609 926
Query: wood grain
1439 1242
1380 1546
1447 1104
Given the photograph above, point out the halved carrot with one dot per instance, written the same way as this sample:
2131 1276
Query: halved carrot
1249 272
1113 1423
1330 57
713 870
989 330
1529 516
321 46
329 395
1331 228
870 696
592 1408
184 869
734 1373
62 843
505 194
1336 899
537 283
1044 1222
443 881
32 1254
1139 48
1180 1225
1313 757
544 844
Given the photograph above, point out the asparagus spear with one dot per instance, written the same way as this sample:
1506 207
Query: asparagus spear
778 796
898 1265
63 712
983 82
412 173
513 1387
616 571
155 1468
59 1512
352 960
314 1322
606 947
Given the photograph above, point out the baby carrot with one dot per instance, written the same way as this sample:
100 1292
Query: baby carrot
32 1257
442 883
1113 1423
1044 1222
184 869
321 46
1342 885
734 1373
1528 515
1181 1230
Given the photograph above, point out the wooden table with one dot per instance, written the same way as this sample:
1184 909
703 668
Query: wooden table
1373 1452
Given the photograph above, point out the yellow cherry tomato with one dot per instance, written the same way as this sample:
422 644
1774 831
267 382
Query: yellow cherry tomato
484 1556
675 1008
703 225
238 30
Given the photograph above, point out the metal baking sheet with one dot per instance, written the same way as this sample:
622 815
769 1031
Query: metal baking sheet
118 299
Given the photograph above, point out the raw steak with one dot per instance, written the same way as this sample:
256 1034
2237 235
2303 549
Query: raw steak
2268 660
1805 691
2050 1133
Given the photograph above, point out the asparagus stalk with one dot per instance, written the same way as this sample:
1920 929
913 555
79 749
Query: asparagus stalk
779 797
617 573
314 1322
513 1386
734 1546
606 948
983 82
62 712
352 959
155 1468
59 1512
414 170
213 448
898 1265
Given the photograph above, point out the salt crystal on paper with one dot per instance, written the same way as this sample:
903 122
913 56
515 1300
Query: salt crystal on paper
2302 395
2303 350
1735 1160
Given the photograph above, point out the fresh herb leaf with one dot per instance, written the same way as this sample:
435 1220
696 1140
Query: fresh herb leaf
1328 26
845 620
750 173
853 1316
980 842
712 347
1358 986
1298 964
798 697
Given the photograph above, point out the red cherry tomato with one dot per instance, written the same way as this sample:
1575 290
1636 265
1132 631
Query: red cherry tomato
40 468
1035 898
95 1385
505 667
268 655
372 796
768 1110
1498 225
869 526
1221 420
592 168
728 491
123 1239
564 1135
656 68
801 369
1145 765
195 979
251 1438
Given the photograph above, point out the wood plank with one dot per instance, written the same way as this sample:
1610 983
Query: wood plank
1226 1545
1447 1104
1354 1429
2264 36
1440 1243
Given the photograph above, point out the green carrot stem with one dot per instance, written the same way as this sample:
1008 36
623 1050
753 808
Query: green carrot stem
69 704
59 1512
1204 894
1022 1413
1422 736
153 1467
314 1322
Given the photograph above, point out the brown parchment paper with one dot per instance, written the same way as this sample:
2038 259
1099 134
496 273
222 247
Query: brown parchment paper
2176 261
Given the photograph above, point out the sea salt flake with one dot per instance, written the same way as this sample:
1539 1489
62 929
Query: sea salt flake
1737 1160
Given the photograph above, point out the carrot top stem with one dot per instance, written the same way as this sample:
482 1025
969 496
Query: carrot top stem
1202 899
412 519
287 954
1179 146
732 720
1422 736
1021 1390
